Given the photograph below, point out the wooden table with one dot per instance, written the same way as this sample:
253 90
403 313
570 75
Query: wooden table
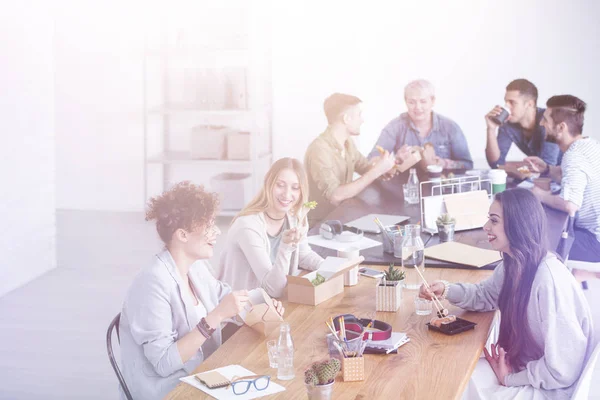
430 366
376 199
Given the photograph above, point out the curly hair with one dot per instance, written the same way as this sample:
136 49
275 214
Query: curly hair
184 206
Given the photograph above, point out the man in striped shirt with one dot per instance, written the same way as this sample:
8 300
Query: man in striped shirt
578 174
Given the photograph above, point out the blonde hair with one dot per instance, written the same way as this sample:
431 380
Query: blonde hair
422 85
264 198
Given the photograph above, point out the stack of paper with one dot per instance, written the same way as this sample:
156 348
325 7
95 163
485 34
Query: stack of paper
396 340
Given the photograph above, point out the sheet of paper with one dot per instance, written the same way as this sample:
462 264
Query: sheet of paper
464 254
397 340
367 223
470 209
361 244
227 393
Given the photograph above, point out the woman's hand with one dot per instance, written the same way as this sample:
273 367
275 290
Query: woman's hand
437 288
498 362
279 307
294 235
232 304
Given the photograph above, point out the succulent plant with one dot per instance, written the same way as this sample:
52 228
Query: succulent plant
322 372
318 280
310 377
445 219
394 274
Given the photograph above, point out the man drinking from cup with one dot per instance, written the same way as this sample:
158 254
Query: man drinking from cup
518 122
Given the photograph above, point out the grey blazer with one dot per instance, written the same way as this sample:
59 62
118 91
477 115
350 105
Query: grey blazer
155 315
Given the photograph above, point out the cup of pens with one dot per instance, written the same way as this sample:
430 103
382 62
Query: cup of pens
347 345
388 237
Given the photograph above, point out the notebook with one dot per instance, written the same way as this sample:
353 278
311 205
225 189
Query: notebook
367 223
226 393
212 379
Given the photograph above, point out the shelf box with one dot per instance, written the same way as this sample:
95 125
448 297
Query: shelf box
238 146
234 189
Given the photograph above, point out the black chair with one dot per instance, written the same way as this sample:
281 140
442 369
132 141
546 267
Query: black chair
115 325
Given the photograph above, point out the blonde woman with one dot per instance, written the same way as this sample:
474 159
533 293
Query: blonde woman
266 242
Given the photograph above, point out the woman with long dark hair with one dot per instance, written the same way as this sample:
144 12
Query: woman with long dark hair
546 333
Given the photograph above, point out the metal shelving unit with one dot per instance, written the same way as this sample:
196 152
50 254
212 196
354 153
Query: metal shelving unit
169 115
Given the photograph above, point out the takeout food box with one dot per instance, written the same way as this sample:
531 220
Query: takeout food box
411 161
301 290
260 313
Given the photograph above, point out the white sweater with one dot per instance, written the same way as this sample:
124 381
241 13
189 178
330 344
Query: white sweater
246 263
559 318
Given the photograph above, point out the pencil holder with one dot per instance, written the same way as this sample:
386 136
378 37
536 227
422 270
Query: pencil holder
389 295
353 369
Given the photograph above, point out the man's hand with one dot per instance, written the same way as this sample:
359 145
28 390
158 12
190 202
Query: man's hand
385 163
493 113
403 154
536 164
498 362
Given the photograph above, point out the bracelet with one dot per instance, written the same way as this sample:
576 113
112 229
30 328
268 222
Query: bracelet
204 328
445 292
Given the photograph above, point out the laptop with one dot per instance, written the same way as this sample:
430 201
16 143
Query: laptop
367 223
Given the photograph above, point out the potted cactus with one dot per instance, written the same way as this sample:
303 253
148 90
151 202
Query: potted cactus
389 290
319 379
446 224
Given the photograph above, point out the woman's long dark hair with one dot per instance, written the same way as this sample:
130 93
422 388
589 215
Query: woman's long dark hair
525 227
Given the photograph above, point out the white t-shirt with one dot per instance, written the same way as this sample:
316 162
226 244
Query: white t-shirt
580 182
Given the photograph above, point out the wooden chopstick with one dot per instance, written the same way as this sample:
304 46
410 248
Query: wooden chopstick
434 296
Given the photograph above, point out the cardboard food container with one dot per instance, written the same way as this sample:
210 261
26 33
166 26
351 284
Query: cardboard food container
301 290
410 162
260 313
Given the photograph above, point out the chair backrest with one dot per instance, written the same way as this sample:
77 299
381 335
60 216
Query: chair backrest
114 325
582 390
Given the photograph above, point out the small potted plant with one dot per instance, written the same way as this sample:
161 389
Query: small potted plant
389 290
319 379
445 224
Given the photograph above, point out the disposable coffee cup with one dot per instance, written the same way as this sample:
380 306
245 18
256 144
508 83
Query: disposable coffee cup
502 117
350 276
498 178
435 172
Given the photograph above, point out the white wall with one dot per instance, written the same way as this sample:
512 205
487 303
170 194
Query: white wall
99 103
470 50
27 198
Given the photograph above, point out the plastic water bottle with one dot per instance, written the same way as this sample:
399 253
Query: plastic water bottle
413 256
411 188
285 348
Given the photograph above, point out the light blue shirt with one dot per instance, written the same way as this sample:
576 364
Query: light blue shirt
155 315
446 137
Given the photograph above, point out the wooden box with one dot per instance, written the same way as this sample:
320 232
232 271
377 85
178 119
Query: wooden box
353 369
301 290
389 297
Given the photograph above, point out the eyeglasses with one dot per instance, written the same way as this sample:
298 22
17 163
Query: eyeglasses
242 384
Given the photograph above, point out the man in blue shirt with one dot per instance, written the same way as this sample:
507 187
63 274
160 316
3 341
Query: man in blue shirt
420 125
522 127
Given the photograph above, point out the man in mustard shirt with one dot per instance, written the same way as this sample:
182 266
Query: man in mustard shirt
332 158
